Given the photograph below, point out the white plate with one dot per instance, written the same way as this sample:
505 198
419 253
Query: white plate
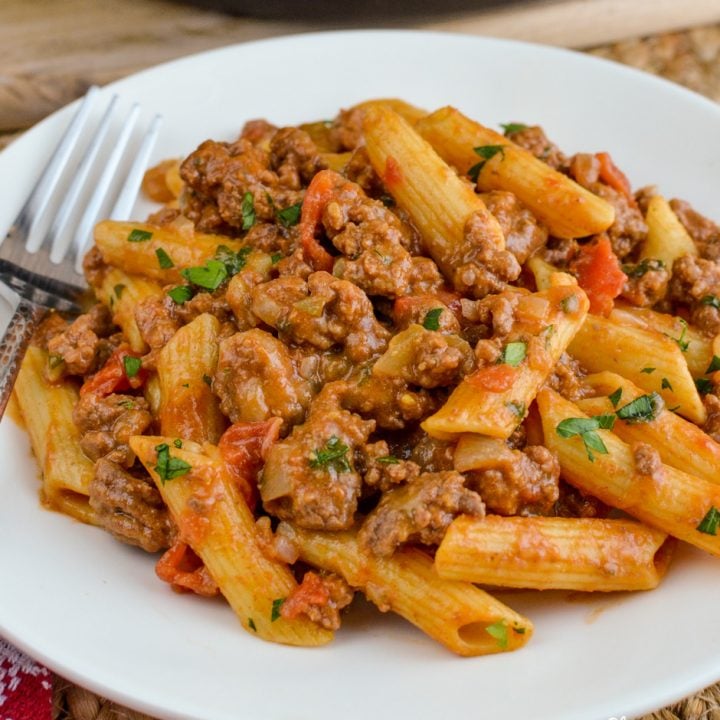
92 608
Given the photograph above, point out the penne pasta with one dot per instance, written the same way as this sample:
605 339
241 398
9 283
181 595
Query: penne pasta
554 553
216 522
669 499
680 443
47 411
462 617
667 239
566 208
603 344
139 256
188 408
487 403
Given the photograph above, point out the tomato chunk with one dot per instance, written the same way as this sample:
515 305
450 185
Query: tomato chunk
113 376
494 378
599 275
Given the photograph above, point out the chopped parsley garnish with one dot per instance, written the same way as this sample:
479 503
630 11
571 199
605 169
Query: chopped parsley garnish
248 211
207 380
499 631
168 468
682 343
118 290
55 360
704 385
486 152
643 267
516 408
614 398
387 200
711 300
137 235
251 624
511 128
709 524
290 215
519 630
714 365
387 460
208 276
181 294
275 258
164 259
648 370
177 442
642 409
333 455
234 262
570 304
132 365
514 353
276 605
432 319
587 428
127 404
665 385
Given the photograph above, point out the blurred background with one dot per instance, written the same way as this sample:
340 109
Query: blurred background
53 50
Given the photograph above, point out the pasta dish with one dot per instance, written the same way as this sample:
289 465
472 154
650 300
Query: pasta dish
395 353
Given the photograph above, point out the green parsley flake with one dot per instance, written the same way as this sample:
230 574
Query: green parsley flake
132 365
586 428
615 397
710 522
570 304
55 360
519 630
251 624
648 370
207 380
164 259
682 343
714 365
432 319
512 128
209 276
275 258
711 300
118 290
248 211
486 152
290 215
181 294
387 460
234 262
516 408
514 353
642 409
499 631
665 385
333 455
704 385
387 200
168 468
276 605
643 267
177 443
127 404
138 235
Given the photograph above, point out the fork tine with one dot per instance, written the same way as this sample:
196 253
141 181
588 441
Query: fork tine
78 183
87 220
37 202
128 194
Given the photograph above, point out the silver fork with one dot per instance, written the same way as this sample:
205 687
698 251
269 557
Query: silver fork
46 273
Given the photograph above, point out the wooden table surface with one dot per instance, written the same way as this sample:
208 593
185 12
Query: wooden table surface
53 50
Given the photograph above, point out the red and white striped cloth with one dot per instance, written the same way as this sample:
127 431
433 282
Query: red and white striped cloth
25 686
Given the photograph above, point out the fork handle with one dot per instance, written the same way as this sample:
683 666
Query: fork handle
25 319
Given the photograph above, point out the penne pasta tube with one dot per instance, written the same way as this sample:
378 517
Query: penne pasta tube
567 209
121 292
216 522
438 202
188 408
462 617
603 344
680 443
409 112
554 553
493 400
680 504
47 411
667 238
698 348
134 247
